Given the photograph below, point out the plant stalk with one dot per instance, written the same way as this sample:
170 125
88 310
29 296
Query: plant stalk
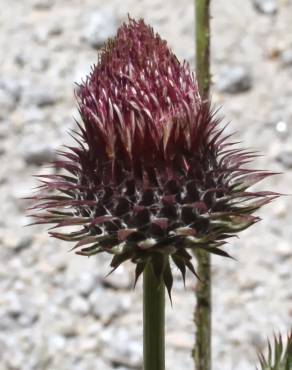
202 317
203 46
203 311
153 321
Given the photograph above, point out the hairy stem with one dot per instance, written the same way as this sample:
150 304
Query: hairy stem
203 311
153 321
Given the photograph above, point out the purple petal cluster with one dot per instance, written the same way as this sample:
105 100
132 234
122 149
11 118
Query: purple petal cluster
152 175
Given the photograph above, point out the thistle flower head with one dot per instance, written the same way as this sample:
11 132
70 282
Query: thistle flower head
153 174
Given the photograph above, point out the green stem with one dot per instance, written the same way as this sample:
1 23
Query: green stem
203 46
153 321
202 315
203 311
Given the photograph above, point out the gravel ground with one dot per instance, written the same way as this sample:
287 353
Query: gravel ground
57 310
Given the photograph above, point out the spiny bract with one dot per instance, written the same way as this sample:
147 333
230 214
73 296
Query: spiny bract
152 175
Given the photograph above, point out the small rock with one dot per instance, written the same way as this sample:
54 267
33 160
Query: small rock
119 279
280 209
285 158
40 35
286 58
56 343
39 153
284 250
85 283
55 29
180 340
12 87
9 95
31 115
40 64
101 25
6 103
24 243
21 59
105 304
19 311
28 318
79 305
234 79
67 327
40 97
88 345
6 322
14 307
273 51
43 4
97 363
268 7
16 361
121 355
16 241
5 129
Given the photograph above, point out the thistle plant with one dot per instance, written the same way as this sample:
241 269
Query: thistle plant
279 357
152 177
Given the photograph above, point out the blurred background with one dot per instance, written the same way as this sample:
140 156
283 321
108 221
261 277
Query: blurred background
57 310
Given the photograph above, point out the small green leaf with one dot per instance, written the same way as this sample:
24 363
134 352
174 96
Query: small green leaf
279 357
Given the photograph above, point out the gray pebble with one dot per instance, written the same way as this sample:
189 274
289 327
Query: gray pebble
4 129
286 58
43 4
6 103
234 79
16 361
40 64
11 86
56 29
32 115
101 25
285 158
79 305
39 153
6 322
21 59
269 7
284 250
121 355
105 304
40 97
27 319
14 306
10 92
23 243
56 343
85 283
